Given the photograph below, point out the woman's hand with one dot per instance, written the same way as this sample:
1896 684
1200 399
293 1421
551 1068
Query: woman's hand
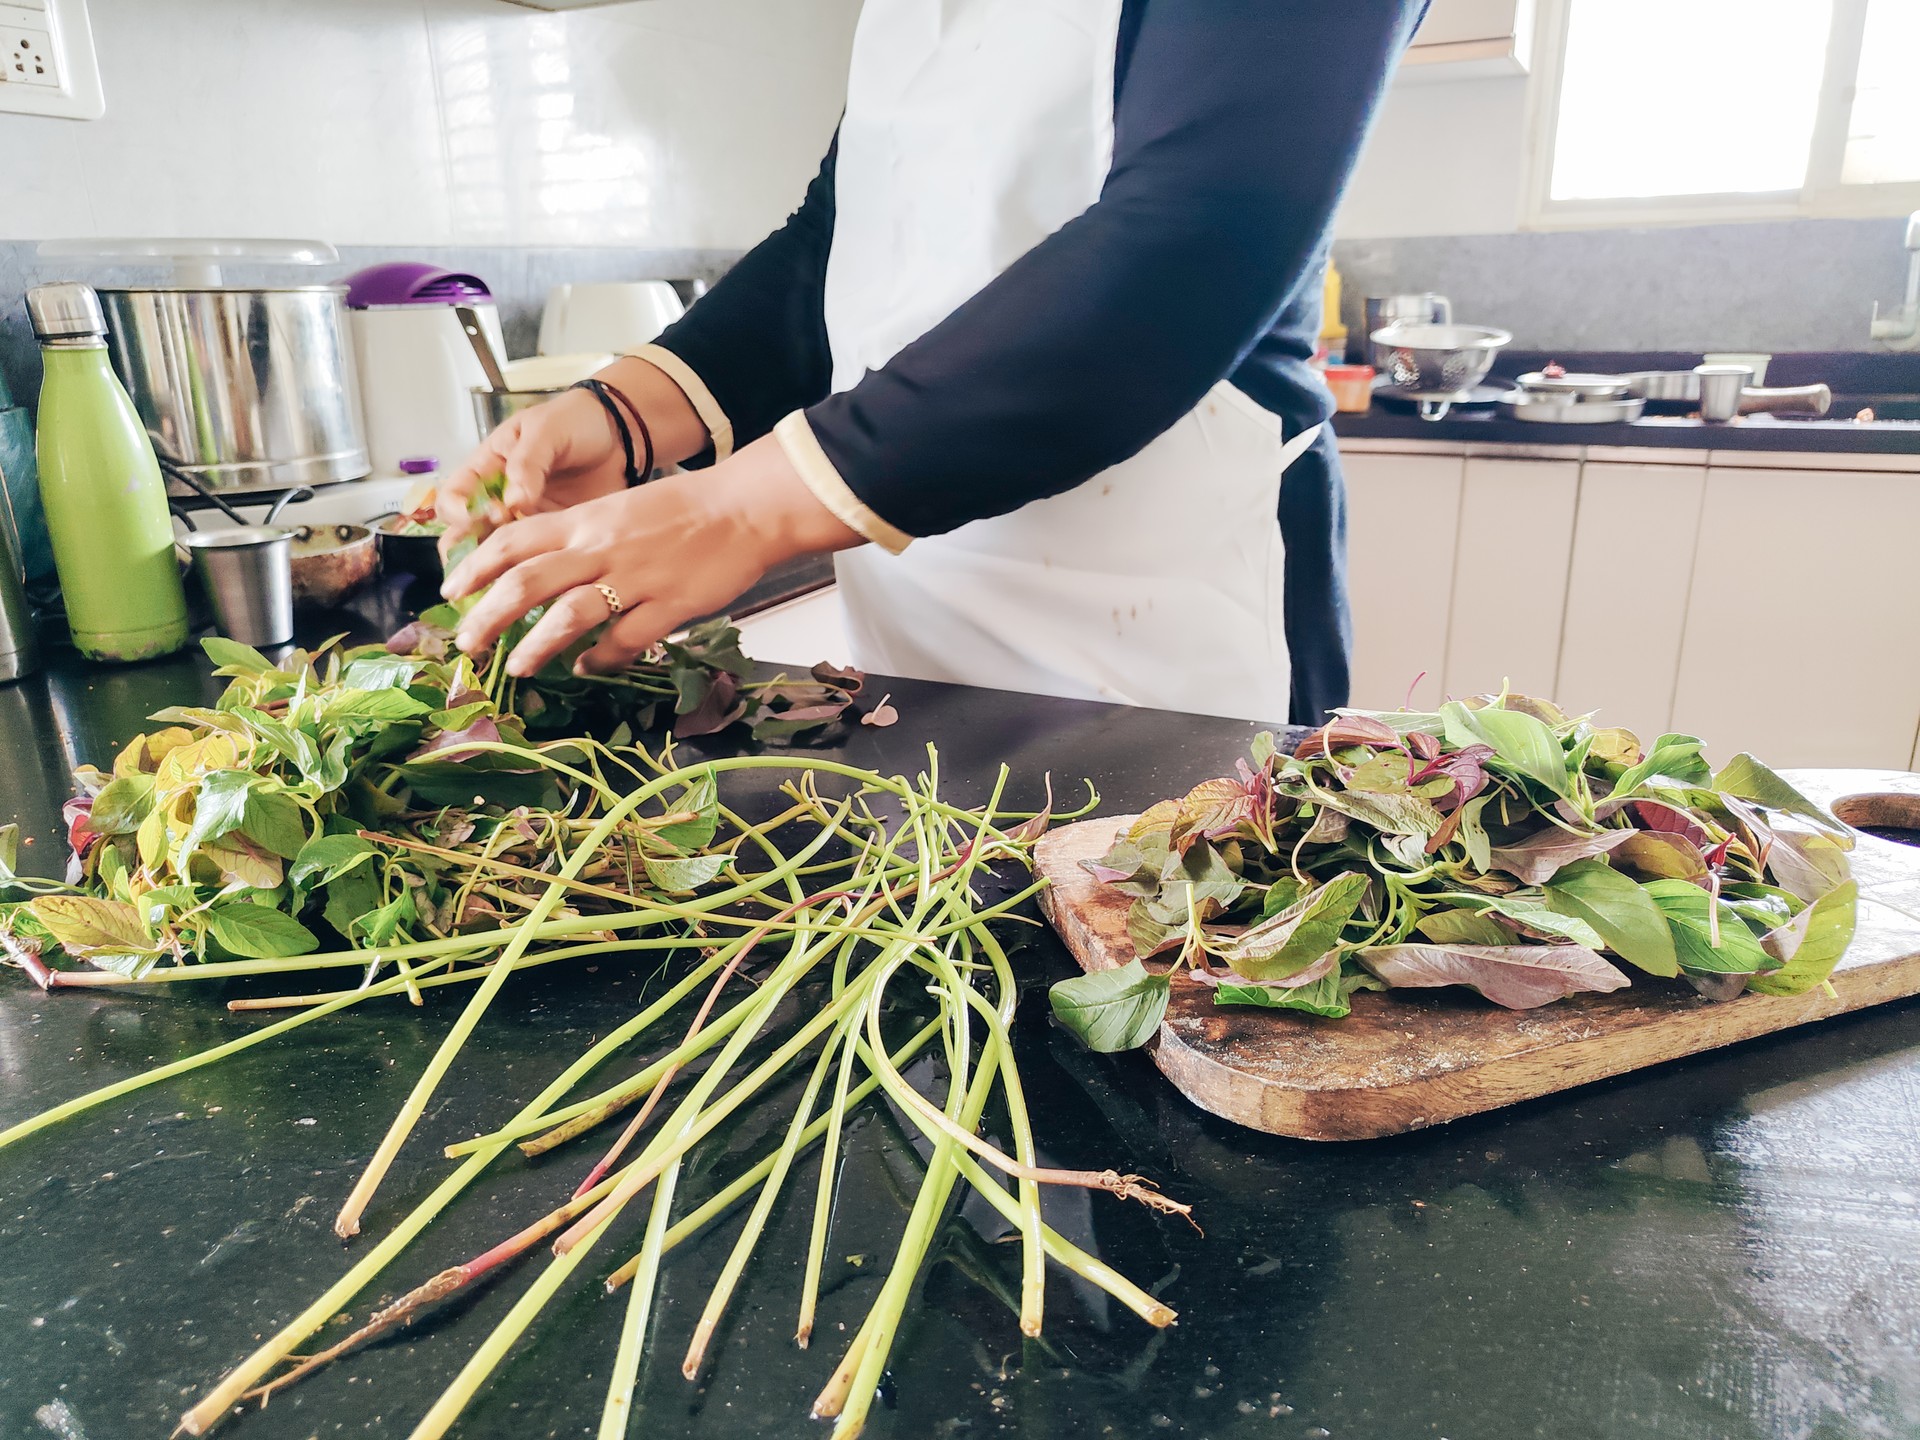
682 547
565 451
558 453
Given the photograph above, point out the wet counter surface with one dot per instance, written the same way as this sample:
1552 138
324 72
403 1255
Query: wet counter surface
1725 1248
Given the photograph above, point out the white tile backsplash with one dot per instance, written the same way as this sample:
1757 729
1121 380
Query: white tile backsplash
692 123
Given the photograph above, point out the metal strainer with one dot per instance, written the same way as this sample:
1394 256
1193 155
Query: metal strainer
1435 364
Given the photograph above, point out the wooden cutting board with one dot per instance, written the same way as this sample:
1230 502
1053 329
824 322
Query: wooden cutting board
1404 1060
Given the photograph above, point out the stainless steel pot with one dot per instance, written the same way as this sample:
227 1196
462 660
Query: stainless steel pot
493 408
245 390
1426 308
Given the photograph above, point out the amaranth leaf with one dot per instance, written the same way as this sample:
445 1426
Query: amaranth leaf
1634 926
1111 1010
1299 935
1519 977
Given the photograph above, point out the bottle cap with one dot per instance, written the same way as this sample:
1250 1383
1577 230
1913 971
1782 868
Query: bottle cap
65 311
419 465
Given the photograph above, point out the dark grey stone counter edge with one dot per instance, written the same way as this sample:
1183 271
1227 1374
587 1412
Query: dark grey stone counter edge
1752 432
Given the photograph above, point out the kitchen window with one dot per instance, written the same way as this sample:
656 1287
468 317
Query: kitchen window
1650 111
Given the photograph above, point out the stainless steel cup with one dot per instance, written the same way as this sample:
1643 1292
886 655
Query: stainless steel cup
1720 387
19 651
491 407
248 576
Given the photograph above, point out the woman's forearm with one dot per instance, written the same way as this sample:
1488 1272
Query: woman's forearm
678 432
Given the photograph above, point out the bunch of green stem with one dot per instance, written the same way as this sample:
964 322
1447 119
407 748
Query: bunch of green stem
836 921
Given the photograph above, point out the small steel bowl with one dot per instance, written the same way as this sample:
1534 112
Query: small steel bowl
331 564
415 555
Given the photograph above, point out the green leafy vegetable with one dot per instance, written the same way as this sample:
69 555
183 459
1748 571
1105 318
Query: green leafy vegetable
1498 843
1522 743
1624 914
1810 945
1518 977
1674 760
1297 936
1111 1010
233 658
260 931
1745 777
1328 996
328 857
1709 937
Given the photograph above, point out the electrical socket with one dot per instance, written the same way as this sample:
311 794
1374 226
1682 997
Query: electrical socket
26 57
47 62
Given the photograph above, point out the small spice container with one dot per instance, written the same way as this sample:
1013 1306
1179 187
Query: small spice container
1352 387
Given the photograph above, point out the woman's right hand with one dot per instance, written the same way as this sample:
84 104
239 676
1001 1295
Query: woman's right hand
558 453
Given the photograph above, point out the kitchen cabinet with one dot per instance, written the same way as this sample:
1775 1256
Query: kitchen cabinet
1800 617
1632 563
1510 575
1403 522
1470 39
1760 601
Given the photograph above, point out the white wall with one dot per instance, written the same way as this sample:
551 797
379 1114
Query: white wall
435 122
1445 158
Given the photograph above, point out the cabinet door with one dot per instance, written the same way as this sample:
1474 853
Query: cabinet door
1403 518
1627 594
1453 22
1510 576
1801 618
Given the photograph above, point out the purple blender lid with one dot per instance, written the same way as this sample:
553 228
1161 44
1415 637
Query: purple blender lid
412 282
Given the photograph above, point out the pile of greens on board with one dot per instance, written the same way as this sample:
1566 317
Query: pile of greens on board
1497 843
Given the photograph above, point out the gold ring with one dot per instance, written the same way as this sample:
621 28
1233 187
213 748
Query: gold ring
610 595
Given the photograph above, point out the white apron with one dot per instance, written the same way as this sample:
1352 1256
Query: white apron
973 130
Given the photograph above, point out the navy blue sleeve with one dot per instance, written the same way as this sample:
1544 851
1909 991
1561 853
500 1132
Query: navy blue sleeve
758 338
1236 127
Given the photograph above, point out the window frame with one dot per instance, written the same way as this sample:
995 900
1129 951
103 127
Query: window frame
1821 196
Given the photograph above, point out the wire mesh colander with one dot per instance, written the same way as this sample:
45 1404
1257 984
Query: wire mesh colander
1435 364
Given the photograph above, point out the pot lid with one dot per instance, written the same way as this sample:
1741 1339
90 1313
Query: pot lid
412 282
194 261
1568 383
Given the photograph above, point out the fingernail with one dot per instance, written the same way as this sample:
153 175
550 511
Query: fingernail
463 641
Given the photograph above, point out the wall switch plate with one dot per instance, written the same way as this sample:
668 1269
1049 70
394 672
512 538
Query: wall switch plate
47 61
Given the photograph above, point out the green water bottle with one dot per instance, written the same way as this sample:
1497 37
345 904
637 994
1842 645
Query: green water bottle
106 505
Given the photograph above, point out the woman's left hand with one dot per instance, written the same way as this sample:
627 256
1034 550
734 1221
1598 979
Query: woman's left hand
650 559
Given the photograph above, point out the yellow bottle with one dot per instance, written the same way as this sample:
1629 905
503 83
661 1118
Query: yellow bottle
1333 334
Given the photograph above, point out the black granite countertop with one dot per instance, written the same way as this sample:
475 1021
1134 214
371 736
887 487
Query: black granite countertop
1858 380
1726 1248
1486 426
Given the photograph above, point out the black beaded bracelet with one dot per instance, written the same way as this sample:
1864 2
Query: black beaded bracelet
604 393
640 424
